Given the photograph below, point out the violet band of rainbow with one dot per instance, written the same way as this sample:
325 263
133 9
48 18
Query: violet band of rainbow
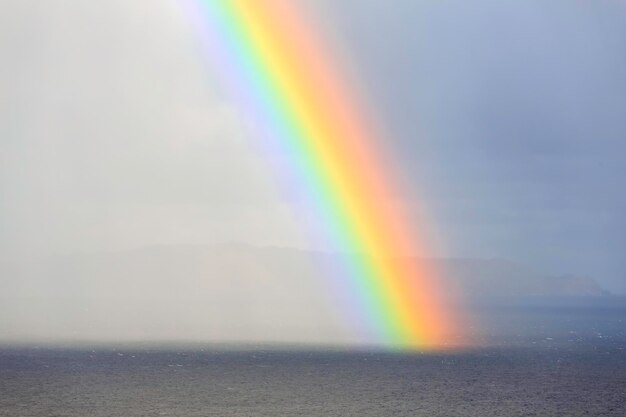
289 83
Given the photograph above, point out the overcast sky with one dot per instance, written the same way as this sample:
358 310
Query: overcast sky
509 118
115 135
512 114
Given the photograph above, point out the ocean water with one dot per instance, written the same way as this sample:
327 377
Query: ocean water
564 361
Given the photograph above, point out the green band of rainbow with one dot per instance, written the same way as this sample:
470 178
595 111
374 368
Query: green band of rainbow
275 60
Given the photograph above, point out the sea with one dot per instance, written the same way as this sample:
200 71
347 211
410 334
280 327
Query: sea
536 358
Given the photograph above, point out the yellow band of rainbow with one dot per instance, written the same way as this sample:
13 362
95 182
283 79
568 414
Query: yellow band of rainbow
290 79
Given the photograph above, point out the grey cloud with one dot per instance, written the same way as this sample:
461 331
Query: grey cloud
510 115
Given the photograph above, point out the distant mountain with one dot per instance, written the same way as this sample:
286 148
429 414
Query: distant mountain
499 277
223 292
233 268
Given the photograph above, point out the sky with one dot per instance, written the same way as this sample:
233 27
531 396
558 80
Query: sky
512 116
507 118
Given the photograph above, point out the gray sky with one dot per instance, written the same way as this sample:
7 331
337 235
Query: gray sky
510 117
115 136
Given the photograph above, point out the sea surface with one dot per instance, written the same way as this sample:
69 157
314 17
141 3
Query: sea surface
555 360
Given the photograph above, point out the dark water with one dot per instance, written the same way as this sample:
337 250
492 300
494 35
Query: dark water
509 382
561 361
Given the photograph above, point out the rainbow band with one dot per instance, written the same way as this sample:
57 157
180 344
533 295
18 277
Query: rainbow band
279 65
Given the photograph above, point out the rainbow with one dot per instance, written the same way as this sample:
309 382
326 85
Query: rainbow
285 80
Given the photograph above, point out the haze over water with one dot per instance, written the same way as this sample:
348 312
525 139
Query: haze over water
543 357
127 171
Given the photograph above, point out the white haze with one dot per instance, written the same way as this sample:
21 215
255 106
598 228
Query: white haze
115 136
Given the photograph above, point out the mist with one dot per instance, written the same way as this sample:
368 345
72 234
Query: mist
126 171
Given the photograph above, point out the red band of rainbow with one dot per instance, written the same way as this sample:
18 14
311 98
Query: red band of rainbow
289 84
